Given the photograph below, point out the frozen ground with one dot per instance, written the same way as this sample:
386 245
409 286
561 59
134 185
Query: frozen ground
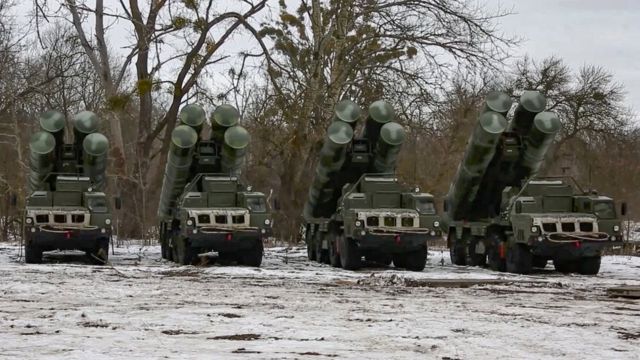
146 308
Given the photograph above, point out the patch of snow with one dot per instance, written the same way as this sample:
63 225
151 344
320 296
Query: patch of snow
144 307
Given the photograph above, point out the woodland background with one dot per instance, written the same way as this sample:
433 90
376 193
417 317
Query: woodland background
285 65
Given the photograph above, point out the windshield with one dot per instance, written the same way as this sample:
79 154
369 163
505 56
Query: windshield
604 210
425 205
97 204
256 204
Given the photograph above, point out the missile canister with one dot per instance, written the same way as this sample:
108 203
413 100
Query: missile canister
380 113
177 171
84 123
531 103
234 149
390 141
53 122
348 112
42 147
479 153
545 126
497 101
194 116
224 117
95 149
332 157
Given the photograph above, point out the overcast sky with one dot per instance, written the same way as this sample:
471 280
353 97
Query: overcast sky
595 32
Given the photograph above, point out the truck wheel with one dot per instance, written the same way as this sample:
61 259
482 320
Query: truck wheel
164 250
473 258
589 265
519 259
311 252
400 260
32 254
253 256
334 256
349 254
184 254
416 260
457 250
322 255
539 262
100 256
565 266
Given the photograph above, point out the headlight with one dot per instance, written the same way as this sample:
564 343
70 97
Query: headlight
195 231
614 238
616 228
436 223
33 229
108 221
267 222
189 222
358 223
534 229
29 220
103 230
432 233
363 233
263 231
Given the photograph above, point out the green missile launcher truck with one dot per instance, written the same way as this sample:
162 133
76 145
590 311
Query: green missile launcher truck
357 207
66 207
203 205
499 213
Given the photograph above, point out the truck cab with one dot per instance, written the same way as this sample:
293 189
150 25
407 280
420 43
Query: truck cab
379 219
69 215
217 213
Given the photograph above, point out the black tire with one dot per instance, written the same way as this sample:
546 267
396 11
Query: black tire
540 262
311 251
457 249
350 258
32 254
322 255
416 260
589 265
100 255
565 266
334 256
473 258
400 260
519 259
253 256
184 254
164 249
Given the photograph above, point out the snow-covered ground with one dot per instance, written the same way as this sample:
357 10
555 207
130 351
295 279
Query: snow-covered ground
142 307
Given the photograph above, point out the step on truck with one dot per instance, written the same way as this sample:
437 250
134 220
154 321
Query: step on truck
357 207
204 207
499 213
66 207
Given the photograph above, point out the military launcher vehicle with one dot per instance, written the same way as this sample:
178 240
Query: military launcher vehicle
356 206
66 207
203 205
498 212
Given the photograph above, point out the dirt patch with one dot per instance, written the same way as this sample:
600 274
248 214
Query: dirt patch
94 324
237 337
397 280
245 351
230 315
179 332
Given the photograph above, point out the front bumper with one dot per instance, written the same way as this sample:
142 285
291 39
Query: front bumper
391 242
47 238
570 249
226 240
